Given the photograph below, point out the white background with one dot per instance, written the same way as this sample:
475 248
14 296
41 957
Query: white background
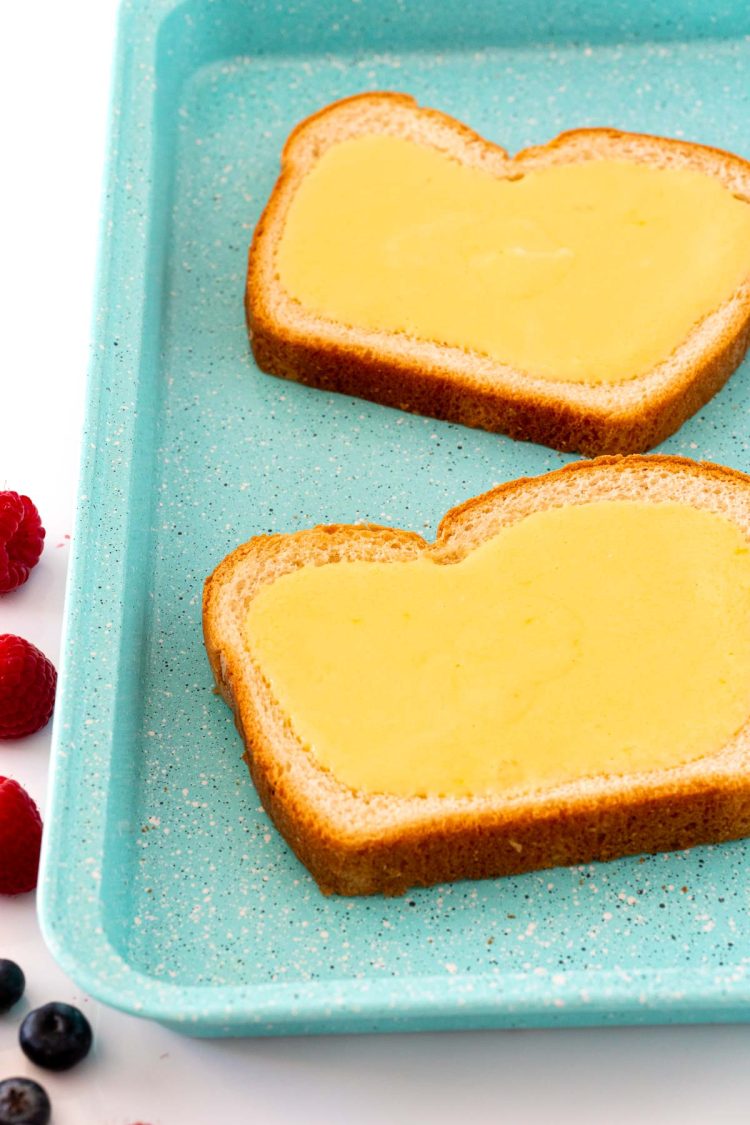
54 68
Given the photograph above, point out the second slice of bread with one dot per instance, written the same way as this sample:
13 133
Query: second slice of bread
363 843
464 386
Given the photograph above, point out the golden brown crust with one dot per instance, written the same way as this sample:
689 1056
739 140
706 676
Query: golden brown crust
624 418
613 463
356 843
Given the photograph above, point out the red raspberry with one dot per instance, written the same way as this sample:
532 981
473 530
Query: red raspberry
27 687
21 539
20 839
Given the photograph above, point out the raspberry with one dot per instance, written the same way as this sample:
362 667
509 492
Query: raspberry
27 687
21 539
20 839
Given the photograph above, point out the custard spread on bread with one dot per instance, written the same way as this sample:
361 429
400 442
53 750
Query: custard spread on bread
589 294
562 676
603 638
589 272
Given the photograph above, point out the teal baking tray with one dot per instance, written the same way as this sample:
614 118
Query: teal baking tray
165 890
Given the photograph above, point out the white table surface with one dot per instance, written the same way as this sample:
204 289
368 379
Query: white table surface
54 64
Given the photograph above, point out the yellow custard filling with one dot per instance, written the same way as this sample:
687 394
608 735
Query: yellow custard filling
609 637
591 272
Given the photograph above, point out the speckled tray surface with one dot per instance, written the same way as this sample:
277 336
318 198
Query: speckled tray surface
165 889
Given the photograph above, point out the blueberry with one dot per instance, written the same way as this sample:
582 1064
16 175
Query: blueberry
55 1036
12 984
23 1102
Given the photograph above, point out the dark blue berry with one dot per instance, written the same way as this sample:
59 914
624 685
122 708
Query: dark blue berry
23 1102
12 984
55 1036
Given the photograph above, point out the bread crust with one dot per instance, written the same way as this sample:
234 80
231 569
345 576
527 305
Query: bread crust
358 843
448 383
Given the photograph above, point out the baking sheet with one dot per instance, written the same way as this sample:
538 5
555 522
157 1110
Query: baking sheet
165 889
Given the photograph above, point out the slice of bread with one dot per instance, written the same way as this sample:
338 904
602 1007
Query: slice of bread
459 384
363 842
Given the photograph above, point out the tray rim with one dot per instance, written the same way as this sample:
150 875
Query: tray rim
469 1000
355 1005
